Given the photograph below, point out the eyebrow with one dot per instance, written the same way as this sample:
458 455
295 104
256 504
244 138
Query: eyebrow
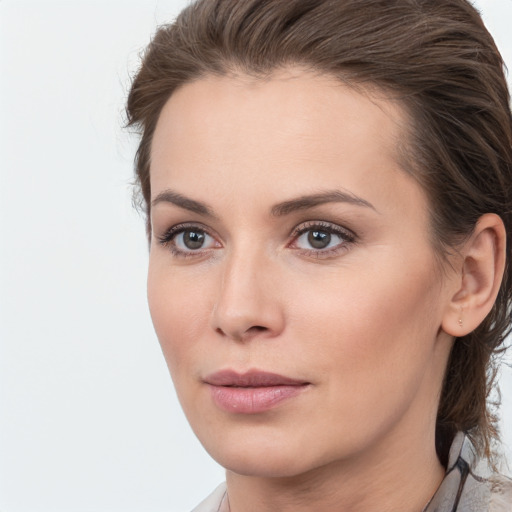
279 210
310 201
168 196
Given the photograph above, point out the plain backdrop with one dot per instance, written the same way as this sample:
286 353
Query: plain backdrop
88 418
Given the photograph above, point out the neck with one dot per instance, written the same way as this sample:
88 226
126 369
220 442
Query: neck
398 474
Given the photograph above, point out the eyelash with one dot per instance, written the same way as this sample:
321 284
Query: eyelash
168 239
348 237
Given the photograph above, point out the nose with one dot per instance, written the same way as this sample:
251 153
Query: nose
247 304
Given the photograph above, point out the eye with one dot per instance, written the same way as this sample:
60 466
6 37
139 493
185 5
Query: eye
318 239
192 239
321 238
186 240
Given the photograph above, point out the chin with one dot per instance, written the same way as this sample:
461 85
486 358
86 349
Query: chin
263 465
264 455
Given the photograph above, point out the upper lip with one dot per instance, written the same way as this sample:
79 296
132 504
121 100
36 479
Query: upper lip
250 379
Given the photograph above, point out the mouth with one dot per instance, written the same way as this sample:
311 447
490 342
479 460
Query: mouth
252 392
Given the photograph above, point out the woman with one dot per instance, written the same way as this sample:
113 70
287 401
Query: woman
328 194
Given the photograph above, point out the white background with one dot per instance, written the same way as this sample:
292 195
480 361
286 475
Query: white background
88 418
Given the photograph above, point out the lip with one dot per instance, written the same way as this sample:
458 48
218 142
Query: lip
252 392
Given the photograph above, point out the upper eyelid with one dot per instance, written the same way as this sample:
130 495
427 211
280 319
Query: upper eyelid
167 239
327 225
183 226
298 230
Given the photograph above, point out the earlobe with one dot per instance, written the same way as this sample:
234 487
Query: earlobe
481 273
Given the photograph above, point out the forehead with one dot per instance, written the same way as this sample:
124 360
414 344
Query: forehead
293 128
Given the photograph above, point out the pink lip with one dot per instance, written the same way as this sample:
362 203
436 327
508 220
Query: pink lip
251 392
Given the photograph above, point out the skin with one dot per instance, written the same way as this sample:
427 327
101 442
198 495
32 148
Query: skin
361 321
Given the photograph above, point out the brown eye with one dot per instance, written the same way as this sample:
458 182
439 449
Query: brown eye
190 241
319 239
193 239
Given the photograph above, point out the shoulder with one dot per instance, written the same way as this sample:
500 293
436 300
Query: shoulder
469 488
501 494
491 494
215 502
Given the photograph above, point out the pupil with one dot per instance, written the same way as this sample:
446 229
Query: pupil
319 239
193 239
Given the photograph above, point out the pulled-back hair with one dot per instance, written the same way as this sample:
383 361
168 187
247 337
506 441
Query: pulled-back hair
437 58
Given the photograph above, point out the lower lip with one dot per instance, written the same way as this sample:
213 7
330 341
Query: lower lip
253 400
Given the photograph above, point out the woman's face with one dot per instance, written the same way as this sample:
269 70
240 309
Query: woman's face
292 282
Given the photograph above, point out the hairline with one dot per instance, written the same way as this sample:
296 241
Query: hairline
372 90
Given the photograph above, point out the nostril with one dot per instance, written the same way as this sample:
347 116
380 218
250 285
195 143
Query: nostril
248 333
254 331
257 328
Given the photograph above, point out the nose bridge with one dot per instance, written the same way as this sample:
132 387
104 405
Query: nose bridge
247 302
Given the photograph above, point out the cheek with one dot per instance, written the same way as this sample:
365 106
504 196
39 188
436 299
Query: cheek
179 307
373 328
370 343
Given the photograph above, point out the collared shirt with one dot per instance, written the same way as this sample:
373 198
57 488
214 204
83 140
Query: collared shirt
463 489
466 488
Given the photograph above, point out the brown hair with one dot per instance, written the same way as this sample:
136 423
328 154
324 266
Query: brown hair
437 57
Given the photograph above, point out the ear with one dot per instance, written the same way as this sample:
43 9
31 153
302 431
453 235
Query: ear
480 274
